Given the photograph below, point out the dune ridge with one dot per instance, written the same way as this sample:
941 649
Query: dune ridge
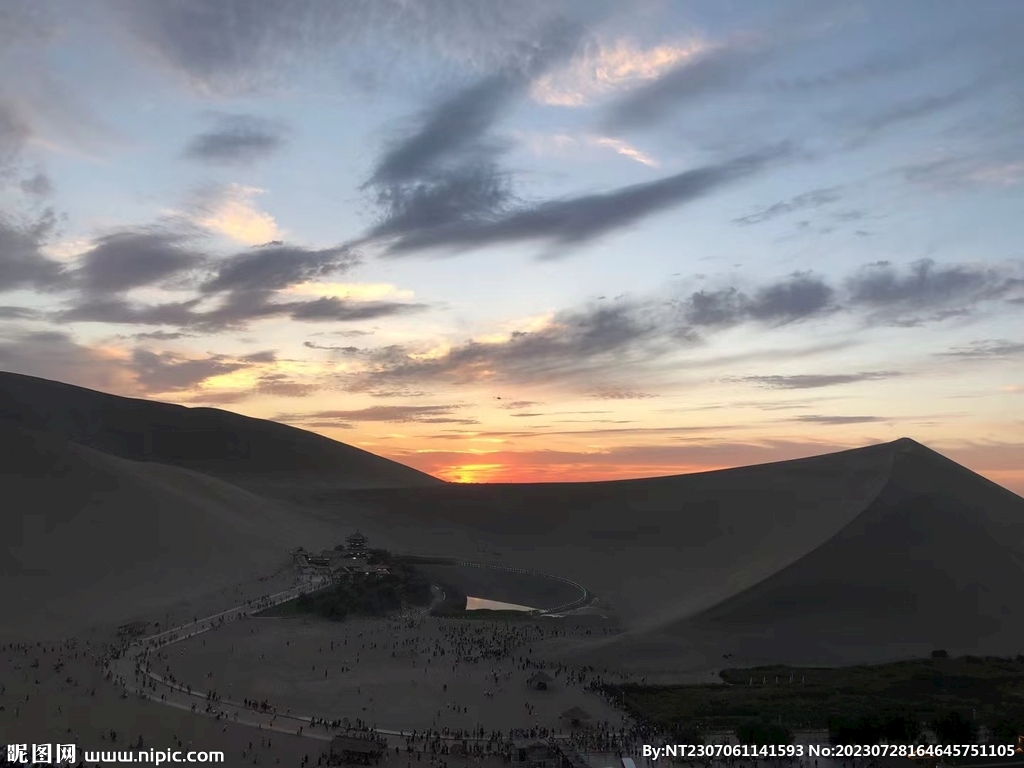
209 440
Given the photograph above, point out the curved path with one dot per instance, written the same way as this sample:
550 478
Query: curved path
130 669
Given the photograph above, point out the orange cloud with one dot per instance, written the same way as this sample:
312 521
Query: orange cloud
604 68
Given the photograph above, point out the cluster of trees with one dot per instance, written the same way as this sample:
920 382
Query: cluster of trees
369 595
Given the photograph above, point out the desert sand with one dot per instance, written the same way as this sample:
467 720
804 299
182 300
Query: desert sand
127 510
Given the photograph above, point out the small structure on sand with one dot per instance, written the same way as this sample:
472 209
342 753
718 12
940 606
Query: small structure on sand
350 749
540 681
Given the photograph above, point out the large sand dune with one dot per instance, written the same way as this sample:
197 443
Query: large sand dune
853 556
936 560
866 554
208 440
95 540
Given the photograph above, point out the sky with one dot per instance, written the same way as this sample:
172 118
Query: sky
547 240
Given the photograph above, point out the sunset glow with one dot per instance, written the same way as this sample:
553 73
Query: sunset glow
592 241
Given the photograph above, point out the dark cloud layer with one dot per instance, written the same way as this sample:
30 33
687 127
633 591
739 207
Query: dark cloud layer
237 46
798 297
167 372
132 259
580 347
276 266
573 345
717 69
22 263
237 140
928 286
236 312
576 220
38 185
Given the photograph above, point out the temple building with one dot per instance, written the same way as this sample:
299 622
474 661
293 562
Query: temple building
356 544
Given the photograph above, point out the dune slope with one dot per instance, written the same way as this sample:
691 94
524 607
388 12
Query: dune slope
656 550
936 560
93 540
207 440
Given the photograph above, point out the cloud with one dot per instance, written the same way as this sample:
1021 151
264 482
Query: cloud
168 372
14 133
236 312
576 220
129 259
445 171
838 420
356 291
341 310
38 185
927 286
808 200
626 150
216 397
578 343
400 414
266 356
799 296
229 211
459 122
816 381
276 266
279 385
600 69
513 405
237 140
473 192
55 355
236 46
349 350
615 393
983 350
712 68
17 313
160 336
915 109
22 263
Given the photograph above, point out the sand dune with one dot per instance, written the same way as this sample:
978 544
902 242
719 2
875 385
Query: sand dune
656 550
868 554
92 539
859 555
208 440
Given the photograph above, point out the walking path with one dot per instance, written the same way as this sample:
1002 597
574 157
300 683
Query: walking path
131 668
